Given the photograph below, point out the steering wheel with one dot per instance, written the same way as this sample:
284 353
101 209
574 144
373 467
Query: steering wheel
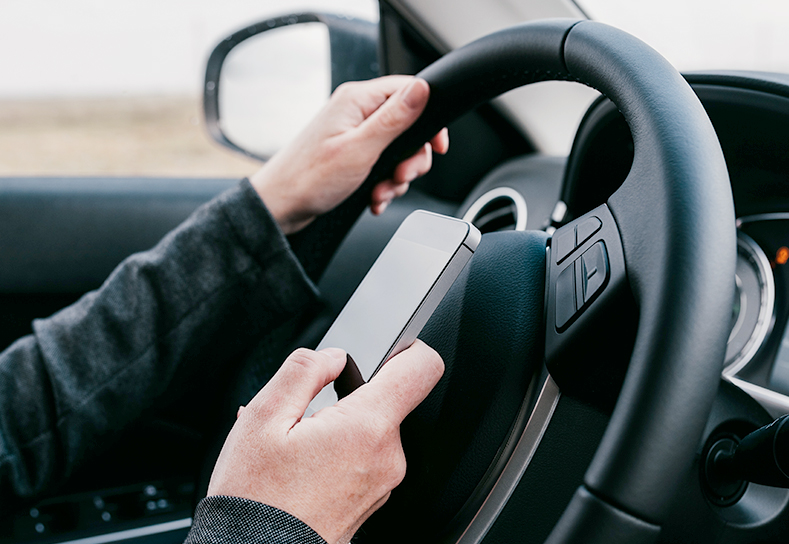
661 252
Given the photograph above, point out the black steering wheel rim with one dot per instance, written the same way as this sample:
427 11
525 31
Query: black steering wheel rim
675 218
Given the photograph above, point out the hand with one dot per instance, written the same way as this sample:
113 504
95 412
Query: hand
334 469
334 154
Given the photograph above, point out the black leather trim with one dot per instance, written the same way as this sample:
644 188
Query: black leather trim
591 520
676 220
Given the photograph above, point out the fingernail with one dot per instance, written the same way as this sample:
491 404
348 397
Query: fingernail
382 207
414 95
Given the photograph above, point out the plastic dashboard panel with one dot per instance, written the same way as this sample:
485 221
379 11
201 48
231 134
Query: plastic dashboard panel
63 236
67 234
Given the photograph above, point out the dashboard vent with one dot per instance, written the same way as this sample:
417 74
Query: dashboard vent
499 209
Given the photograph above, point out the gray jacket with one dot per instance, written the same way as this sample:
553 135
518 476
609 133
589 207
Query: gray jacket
203 296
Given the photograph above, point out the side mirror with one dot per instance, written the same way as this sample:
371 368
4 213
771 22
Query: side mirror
264 83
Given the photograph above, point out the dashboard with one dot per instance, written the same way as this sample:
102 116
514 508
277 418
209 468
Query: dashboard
757 356
750 113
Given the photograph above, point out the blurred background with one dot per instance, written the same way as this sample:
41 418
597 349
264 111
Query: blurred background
91 87
96 87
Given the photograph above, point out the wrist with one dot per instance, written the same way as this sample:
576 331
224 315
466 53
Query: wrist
278 194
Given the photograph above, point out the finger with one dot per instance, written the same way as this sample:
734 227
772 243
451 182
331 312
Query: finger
408 170
396 114
440 142
377 208
369 95
414 166
386 191
401 384
303 374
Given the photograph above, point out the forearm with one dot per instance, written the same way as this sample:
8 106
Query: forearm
200 298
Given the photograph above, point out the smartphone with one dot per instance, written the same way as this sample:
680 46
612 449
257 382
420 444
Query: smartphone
396 298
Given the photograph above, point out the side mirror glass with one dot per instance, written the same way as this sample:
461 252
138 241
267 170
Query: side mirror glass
266 82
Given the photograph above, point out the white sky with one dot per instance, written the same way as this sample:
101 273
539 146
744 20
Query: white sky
112 47
115 47
705 34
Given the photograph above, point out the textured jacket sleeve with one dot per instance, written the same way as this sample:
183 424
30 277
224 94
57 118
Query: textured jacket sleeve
200 299
226 520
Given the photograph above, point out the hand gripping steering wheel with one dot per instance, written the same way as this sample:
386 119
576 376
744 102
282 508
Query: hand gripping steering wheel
666 239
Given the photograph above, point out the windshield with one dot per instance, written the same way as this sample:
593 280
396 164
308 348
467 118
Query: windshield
705 34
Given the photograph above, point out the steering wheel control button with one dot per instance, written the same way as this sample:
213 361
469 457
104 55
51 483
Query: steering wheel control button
587 228
564 240
594 271
579 282
565 296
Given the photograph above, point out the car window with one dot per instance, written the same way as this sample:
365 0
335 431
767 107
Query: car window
705 34
94 88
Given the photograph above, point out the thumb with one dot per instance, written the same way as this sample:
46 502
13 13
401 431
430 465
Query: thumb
395 115
401 384
303 374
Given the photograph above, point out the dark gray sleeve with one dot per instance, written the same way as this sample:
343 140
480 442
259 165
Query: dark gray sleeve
230 520
198 300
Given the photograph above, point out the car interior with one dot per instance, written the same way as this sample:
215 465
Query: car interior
599 356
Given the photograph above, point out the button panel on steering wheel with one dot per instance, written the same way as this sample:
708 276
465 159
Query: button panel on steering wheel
585 293
580 282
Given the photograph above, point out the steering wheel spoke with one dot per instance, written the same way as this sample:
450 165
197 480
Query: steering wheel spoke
590 315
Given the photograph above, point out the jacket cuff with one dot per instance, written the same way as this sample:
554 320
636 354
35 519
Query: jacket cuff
222 519
258 233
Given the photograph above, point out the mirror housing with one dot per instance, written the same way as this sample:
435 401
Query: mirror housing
353 52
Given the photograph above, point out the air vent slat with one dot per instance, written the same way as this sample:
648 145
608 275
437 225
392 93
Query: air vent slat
501 209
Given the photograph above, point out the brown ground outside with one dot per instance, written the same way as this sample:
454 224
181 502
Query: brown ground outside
140 136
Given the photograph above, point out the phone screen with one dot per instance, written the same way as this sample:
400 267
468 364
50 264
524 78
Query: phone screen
374 318
371 322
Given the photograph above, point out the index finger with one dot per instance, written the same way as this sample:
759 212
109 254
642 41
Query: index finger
401 384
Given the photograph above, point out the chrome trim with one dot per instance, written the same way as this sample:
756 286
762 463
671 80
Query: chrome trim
762 217
521 210
764 322
775 403
516 465
559 212
133 533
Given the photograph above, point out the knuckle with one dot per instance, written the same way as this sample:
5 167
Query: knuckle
390 120
333 149
376 430
398 468
401 189
304 359
395 467
345 90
